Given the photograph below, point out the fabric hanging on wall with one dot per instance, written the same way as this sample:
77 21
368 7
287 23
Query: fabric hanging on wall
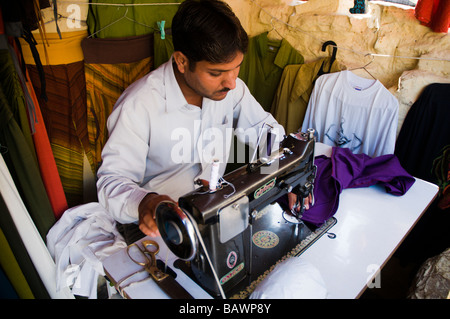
59 51
163 49
14 257
44 154
349 111
46 160
117 22
263 66
14 210
111 65
293 92
13 92
18 80
50 50
63 107
10 266
18 248
66 121
24 169
117 50
423 144
423 148
434 14
47 163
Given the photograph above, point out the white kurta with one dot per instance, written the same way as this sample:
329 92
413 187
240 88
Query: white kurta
350 111
159 143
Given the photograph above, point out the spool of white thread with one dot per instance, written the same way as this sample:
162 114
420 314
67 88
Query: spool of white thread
214 178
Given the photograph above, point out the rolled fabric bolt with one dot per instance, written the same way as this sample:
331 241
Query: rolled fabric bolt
214 178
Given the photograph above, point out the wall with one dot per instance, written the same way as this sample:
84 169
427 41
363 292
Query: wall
385 29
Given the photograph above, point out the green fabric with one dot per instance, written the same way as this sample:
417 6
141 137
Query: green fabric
263 66
106 18
10 266
23 259
163 49
12 89
24 170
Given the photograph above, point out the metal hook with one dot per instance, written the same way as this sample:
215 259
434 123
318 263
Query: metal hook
273 28
364 67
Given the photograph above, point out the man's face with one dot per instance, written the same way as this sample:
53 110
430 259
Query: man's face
213 80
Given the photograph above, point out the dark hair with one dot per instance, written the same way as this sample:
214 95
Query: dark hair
208 30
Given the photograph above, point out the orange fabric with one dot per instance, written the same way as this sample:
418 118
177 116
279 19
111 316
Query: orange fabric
59 51
47 164
434 14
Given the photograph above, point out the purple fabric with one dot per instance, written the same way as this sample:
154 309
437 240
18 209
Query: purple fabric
347 170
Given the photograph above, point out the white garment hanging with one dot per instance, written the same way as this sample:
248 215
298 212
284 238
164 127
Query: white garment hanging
350 111
31 238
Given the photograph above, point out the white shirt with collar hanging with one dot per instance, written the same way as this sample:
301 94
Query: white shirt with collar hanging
160 143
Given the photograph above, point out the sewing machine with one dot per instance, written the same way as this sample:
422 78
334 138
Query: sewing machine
228 235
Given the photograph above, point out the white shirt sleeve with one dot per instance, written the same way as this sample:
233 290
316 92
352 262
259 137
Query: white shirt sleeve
124 162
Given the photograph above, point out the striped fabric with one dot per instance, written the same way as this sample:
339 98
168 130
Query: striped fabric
9 81
47 164
104 84
111 65
66 121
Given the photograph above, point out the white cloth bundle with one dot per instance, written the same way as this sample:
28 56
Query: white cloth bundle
78 242
293 278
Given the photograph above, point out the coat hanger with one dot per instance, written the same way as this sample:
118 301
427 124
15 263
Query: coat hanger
121 18
274 29
333 56
364 66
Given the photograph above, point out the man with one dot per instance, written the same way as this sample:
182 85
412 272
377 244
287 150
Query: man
167 127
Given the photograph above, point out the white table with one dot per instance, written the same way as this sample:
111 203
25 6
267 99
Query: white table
371 226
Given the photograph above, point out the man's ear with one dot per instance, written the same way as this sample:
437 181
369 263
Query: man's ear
181 61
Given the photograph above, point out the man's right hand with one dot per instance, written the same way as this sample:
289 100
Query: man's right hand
147 209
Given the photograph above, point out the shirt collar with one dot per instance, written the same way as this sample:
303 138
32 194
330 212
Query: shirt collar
283 49
174 96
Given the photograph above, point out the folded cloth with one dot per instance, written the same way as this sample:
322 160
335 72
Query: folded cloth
293 278
83 237
347 170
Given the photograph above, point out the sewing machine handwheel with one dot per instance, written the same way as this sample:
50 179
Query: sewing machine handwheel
177 230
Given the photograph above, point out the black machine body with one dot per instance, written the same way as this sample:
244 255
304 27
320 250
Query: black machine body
214 232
